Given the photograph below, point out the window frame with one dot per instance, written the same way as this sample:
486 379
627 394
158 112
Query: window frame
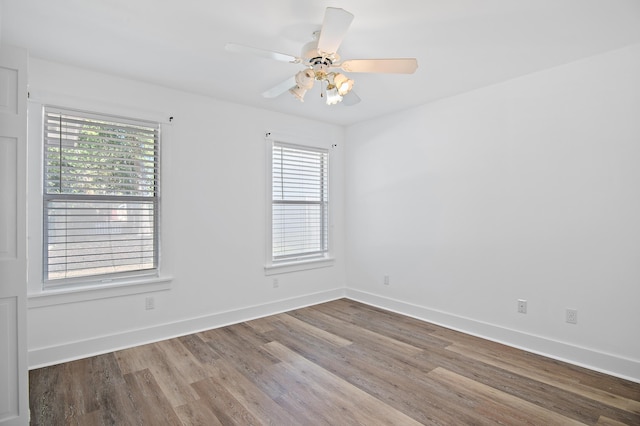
101 280
325 259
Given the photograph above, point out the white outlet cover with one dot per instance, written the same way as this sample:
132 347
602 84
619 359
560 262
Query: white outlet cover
149 303
522 306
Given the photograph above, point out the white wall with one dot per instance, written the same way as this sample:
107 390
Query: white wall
213 220
526 189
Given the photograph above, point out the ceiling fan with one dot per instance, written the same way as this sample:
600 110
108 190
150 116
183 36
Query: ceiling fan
321 59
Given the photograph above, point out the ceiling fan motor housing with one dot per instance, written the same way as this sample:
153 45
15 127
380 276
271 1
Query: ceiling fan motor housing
314 58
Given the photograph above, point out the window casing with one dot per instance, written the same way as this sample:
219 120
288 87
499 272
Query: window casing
100 197
299 203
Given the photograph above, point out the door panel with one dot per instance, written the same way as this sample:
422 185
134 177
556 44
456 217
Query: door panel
8 207
14 396
9 406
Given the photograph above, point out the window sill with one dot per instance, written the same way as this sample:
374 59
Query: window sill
100 291
286 267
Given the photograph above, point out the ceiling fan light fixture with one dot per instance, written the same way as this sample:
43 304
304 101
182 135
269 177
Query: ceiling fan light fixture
305 78
298 92
304 82
332 96
343 83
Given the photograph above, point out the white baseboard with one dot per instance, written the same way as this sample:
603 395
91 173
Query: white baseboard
606 363
598 361
42 357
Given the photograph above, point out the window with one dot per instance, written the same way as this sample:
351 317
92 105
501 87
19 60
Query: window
100 196
299 187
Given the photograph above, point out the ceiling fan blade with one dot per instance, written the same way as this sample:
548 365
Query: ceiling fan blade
283 57
350 98
395 66
280 88
334 27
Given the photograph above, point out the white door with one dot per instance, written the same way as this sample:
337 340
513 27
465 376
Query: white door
14 393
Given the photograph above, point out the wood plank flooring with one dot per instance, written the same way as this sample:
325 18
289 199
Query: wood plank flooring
337 363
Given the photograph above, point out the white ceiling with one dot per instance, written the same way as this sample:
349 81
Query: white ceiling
460 45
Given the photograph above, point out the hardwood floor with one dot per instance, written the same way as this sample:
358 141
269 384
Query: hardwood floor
338 363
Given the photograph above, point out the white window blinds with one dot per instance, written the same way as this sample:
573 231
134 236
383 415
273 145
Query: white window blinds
100 195
299 202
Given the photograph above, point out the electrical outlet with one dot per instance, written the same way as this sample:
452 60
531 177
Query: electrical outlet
149 303
276 283
522 306
386 280
572 316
